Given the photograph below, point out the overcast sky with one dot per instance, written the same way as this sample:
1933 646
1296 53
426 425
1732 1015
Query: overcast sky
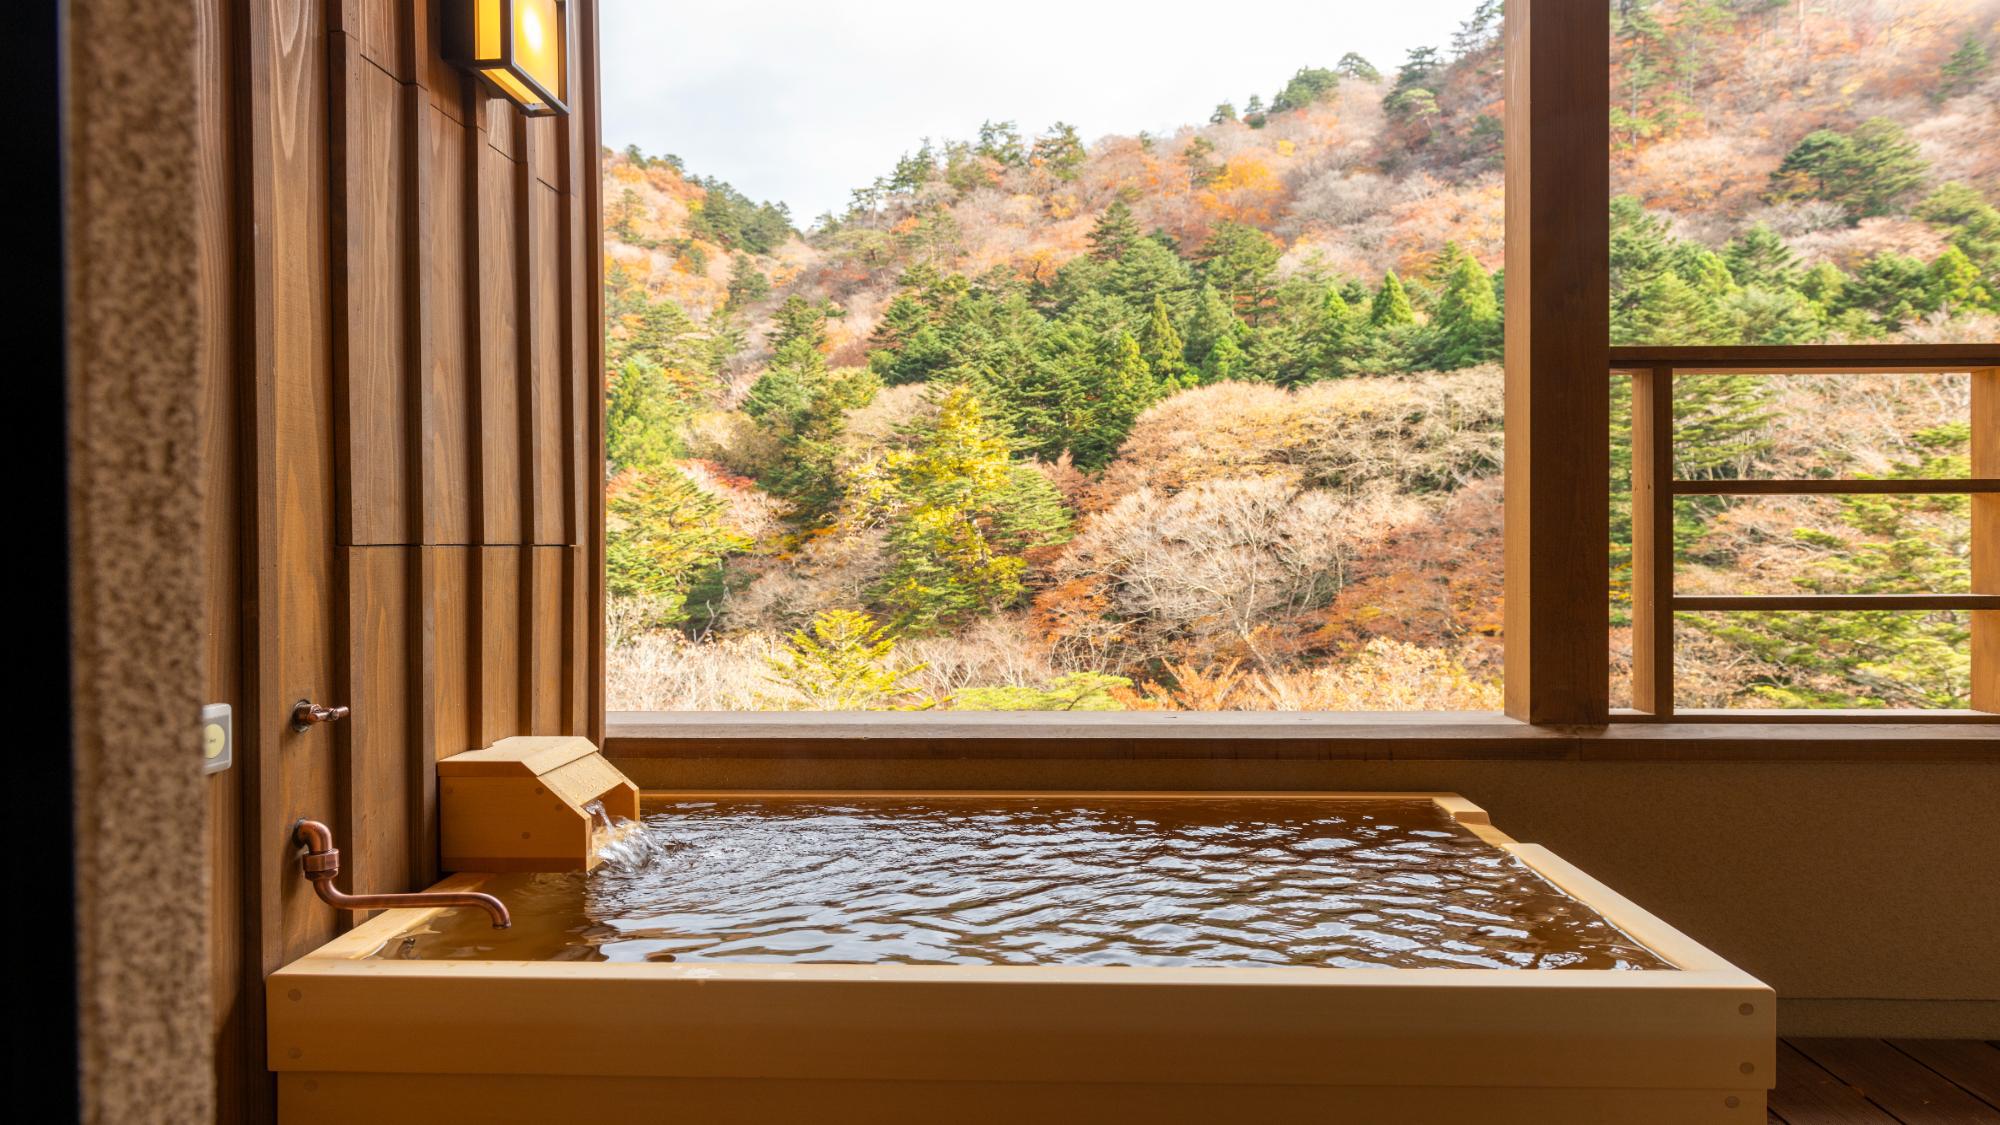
805 100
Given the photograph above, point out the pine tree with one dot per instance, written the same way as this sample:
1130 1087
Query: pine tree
1224 113
1059 152
747 283
1115 233
1761 258
1466 325
663 538
1972 224
1164 350
1198 157
1955 283
846 661
1309 85
1127 388
1339 325
1352 65
642 418
1965 68
1391 308
1867 171
944 488
1239 261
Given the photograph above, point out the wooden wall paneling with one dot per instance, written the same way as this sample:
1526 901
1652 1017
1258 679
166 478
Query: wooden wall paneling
496 694
378 402
383 644
587 200
546 590
450 398
553 451
379 29
450 89
452 617
527 328
544 150
576 645
1653 542
1986 538
1558 361
235 1053
291 498
495 260
502 124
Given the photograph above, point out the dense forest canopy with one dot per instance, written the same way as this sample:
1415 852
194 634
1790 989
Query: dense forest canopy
1213 419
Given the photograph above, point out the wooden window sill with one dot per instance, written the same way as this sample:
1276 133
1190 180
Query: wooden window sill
1417 736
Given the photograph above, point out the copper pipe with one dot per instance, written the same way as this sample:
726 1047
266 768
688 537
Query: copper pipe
321 864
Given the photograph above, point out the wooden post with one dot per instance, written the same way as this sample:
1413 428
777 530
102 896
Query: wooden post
1653 542
1986 538
1557 613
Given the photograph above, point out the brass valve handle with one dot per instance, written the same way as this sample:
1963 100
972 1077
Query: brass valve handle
306 713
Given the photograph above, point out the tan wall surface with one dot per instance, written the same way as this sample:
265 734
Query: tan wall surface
135 510
1863 892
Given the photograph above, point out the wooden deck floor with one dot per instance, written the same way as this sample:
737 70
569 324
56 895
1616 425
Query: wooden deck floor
1886 1081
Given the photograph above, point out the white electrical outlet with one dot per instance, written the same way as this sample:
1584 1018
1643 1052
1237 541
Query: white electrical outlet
218 738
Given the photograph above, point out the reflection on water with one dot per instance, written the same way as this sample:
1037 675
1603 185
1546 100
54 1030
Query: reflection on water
1352 883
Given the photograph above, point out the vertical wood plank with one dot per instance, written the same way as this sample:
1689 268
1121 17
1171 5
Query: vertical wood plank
451 481
496 697
496 259
1653 542
237 1071
589 196
550 377
452 614
376 395
545 689
1558 359
380 653
290 405
576 662
528 264
1986 538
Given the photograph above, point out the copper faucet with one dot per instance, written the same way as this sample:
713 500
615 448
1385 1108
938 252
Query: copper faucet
321 864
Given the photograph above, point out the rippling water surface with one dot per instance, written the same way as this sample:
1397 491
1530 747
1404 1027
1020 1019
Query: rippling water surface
991 881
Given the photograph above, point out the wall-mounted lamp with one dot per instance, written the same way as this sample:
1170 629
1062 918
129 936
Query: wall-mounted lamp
521 48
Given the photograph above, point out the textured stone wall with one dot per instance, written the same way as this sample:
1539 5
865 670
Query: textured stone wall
135 507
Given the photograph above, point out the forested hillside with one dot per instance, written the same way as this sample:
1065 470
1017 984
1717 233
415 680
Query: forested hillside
1213 419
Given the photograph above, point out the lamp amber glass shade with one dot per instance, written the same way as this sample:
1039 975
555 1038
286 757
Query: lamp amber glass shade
521 47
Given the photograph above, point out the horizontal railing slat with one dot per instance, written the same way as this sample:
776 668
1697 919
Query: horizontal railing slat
1834 602
1833 487
1810 358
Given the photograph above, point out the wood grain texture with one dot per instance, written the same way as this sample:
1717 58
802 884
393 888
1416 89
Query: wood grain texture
1653 542
1807 1095
498 438
1810 359
1835 603
1557 395
403 303
1894 1081
376 396
1986 538
1817 487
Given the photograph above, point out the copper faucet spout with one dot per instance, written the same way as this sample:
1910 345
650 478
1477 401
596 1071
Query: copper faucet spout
321 864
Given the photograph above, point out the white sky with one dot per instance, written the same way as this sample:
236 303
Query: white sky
803 101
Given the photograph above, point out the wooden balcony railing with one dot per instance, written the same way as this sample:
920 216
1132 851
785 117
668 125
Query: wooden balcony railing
1654 489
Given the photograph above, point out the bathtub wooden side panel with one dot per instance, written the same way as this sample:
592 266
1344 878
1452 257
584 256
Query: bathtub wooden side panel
424 1099
1605 1030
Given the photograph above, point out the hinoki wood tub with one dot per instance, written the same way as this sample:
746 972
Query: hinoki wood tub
357 1039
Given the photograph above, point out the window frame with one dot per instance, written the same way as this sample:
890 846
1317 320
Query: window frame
1557 540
